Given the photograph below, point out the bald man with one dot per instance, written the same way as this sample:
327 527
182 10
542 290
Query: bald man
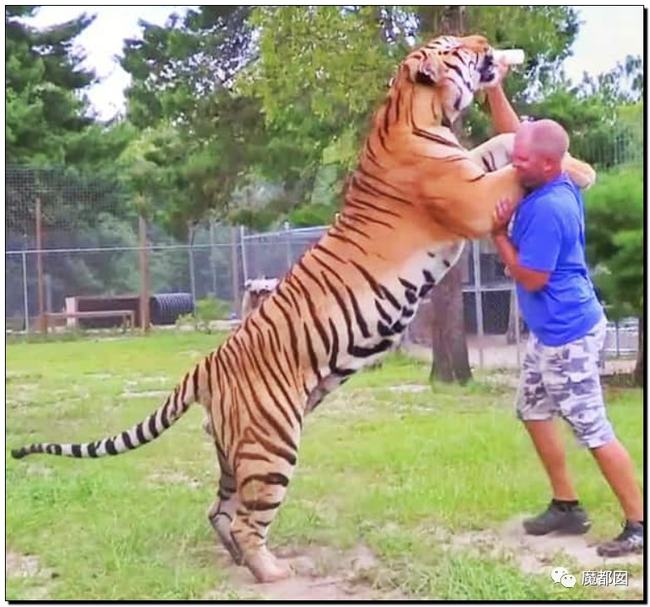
545 255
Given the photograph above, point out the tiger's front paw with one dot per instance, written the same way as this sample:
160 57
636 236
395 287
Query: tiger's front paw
587 178
582 174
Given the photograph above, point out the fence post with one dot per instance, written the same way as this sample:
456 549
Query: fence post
144 274
244 260
213 261
42 318
478 299
48 293
517 321
287 235
190 232
25 297
234 261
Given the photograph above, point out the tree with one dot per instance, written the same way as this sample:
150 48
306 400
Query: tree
176 66
199 137
66 158
240 117
44 84
311 61
615 211
597 112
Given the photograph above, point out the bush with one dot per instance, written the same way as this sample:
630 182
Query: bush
615 246
614 210
205 311
211 308
311 215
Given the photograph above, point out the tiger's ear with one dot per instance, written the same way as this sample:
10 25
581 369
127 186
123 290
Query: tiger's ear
431 69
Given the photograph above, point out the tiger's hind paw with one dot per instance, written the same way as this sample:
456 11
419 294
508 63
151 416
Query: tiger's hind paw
267 568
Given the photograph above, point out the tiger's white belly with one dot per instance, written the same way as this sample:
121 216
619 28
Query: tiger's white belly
386 317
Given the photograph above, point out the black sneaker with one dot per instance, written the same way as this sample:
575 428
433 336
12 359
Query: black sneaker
573 521
630 541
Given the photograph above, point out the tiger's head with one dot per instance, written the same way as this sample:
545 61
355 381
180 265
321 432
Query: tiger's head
450 70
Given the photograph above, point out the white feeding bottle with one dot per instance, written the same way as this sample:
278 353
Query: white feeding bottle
512 56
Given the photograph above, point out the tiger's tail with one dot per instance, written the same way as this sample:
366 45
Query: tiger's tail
177 403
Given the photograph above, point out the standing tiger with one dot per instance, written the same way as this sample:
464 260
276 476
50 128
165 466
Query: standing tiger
414 197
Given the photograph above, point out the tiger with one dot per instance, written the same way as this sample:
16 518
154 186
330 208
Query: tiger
255 292
414 197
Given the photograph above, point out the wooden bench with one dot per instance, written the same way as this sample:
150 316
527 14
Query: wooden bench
125 315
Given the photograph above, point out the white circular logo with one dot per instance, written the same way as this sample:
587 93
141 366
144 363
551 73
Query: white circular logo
557 573
568 581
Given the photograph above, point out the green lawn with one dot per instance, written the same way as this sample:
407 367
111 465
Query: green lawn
380 465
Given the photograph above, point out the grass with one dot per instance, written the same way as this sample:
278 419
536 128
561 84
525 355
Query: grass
385 461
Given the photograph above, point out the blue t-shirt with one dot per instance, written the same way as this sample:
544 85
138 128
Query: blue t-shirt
549 234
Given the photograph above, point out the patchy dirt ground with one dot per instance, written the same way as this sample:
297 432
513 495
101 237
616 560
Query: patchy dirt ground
174 478
533 552
541 554
321 574
325 574
28 566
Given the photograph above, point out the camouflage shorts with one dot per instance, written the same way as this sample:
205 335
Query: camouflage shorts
565 381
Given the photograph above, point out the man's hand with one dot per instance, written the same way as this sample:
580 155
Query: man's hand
502 70
531 280
502 216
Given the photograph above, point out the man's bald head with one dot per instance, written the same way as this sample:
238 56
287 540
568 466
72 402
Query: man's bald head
539 148
547 138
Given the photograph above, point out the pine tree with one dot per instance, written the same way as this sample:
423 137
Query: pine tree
44 84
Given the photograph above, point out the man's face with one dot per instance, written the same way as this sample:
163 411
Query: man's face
530 166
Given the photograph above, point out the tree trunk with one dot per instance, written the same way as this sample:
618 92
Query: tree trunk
449 347
639 369
437 20
450 356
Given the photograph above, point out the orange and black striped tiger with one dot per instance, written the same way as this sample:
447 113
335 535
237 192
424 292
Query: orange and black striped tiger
414 197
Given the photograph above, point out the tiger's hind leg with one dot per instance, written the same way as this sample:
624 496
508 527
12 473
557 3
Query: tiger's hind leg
223 511
262 487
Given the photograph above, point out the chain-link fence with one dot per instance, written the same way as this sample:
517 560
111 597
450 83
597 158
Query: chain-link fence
88 245
605 148
201 269
63 236
494 328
